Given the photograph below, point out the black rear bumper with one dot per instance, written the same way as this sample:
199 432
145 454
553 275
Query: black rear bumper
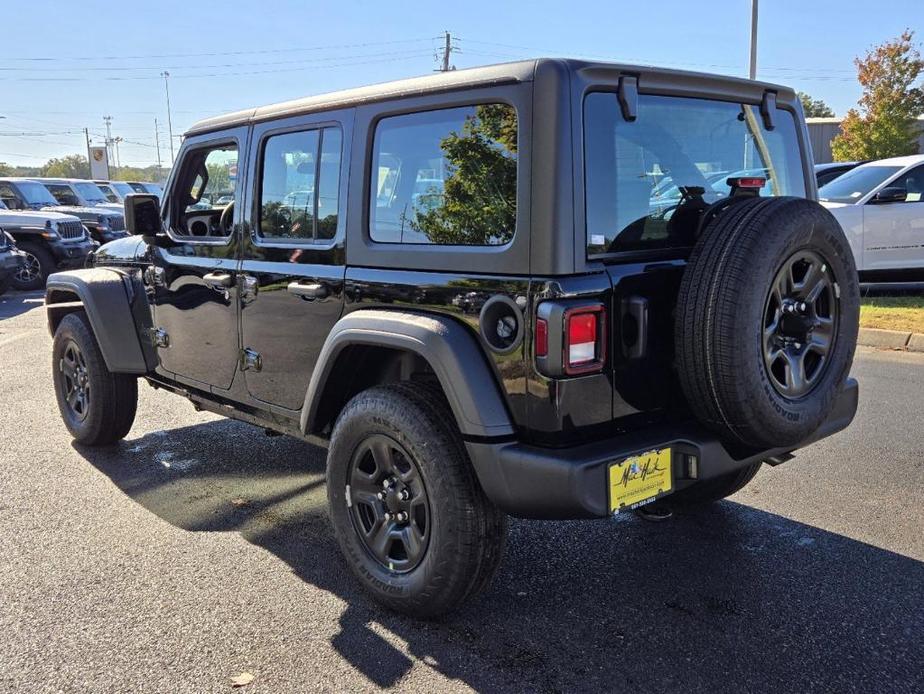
533 482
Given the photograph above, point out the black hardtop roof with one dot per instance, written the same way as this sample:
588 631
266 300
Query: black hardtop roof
502 73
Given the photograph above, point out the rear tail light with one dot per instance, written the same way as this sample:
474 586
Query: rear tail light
584 340
569 338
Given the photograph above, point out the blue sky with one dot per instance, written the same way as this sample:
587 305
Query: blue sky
65 65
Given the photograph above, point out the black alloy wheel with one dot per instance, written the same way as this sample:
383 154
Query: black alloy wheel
389 506
30 272
800 324
75 381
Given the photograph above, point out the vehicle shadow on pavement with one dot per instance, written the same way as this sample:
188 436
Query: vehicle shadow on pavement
728 599
13 303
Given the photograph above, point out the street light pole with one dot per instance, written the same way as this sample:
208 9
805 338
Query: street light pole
165 75
752 69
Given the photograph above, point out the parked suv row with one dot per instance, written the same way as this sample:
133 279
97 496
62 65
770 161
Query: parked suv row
49 239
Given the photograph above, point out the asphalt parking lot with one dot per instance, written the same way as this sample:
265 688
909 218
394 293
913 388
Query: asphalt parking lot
199 549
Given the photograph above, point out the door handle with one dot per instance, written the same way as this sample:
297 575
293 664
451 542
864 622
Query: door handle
316 290
218 281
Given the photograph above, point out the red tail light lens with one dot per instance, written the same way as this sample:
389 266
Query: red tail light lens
747 182
542 337
584 340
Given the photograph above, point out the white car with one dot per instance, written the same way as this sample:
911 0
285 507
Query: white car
880 205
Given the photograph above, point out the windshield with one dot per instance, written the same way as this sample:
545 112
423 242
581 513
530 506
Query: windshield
855 184
648 180
122 189
90 192
108 192
35 193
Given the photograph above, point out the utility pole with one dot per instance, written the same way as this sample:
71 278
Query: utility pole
116 142
752 70
165 75
447 50
86 132
157 143
108 121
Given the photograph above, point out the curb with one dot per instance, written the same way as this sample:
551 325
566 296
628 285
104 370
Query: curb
891 339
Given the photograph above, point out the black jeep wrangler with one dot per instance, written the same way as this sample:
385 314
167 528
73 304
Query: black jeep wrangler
550 289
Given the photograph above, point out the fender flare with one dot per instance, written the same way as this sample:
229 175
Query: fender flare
107 296
449 348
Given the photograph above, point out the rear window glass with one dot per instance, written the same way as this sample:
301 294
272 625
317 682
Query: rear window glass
445 177
643 177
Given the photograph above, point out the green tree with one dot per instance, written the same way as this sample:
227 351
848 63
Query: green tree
6 169
477 205
815 108
219 177
885 125
71 166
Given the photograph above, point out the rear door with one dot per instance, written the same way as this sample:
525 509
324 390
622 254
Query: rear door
647 181
893 232
193 274
292 271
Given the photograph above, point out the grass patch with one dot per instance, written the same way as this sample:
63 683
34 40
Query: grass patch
893 313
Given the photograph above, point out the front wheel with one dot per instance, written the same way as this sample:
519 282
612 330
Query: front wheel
97 406
406 508
38 264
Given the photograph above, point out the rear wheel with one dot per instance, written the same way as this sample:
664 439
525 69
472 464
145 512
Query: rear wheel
34 272
97 406
407 510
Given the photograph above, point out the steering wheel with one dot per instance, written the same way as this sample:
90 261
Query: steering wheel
225 220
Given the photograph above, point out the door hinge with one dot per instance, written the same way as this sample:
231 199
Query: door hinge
248 288
251 360
159 337
154 276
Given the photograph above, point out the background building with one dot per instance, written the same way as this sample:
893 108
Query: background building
822 131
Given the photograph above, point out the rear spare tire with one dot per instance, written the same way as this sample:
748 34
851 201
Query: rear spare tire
767 320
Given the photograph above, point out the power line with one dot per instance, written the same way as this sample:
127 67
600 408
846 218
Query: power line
124 68
208 75
533 50
214 54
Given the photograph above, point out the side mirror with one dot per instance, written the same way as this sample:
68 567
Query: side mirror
889 195
142 214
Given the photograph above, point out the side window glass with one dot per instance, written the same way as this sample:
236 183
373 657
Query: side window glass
445 177
913 184
300 185
63 194
8 196
205 192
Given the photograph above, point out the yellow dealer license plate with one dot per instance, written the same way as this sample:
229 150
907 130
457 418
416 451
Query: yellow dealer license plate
639 479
